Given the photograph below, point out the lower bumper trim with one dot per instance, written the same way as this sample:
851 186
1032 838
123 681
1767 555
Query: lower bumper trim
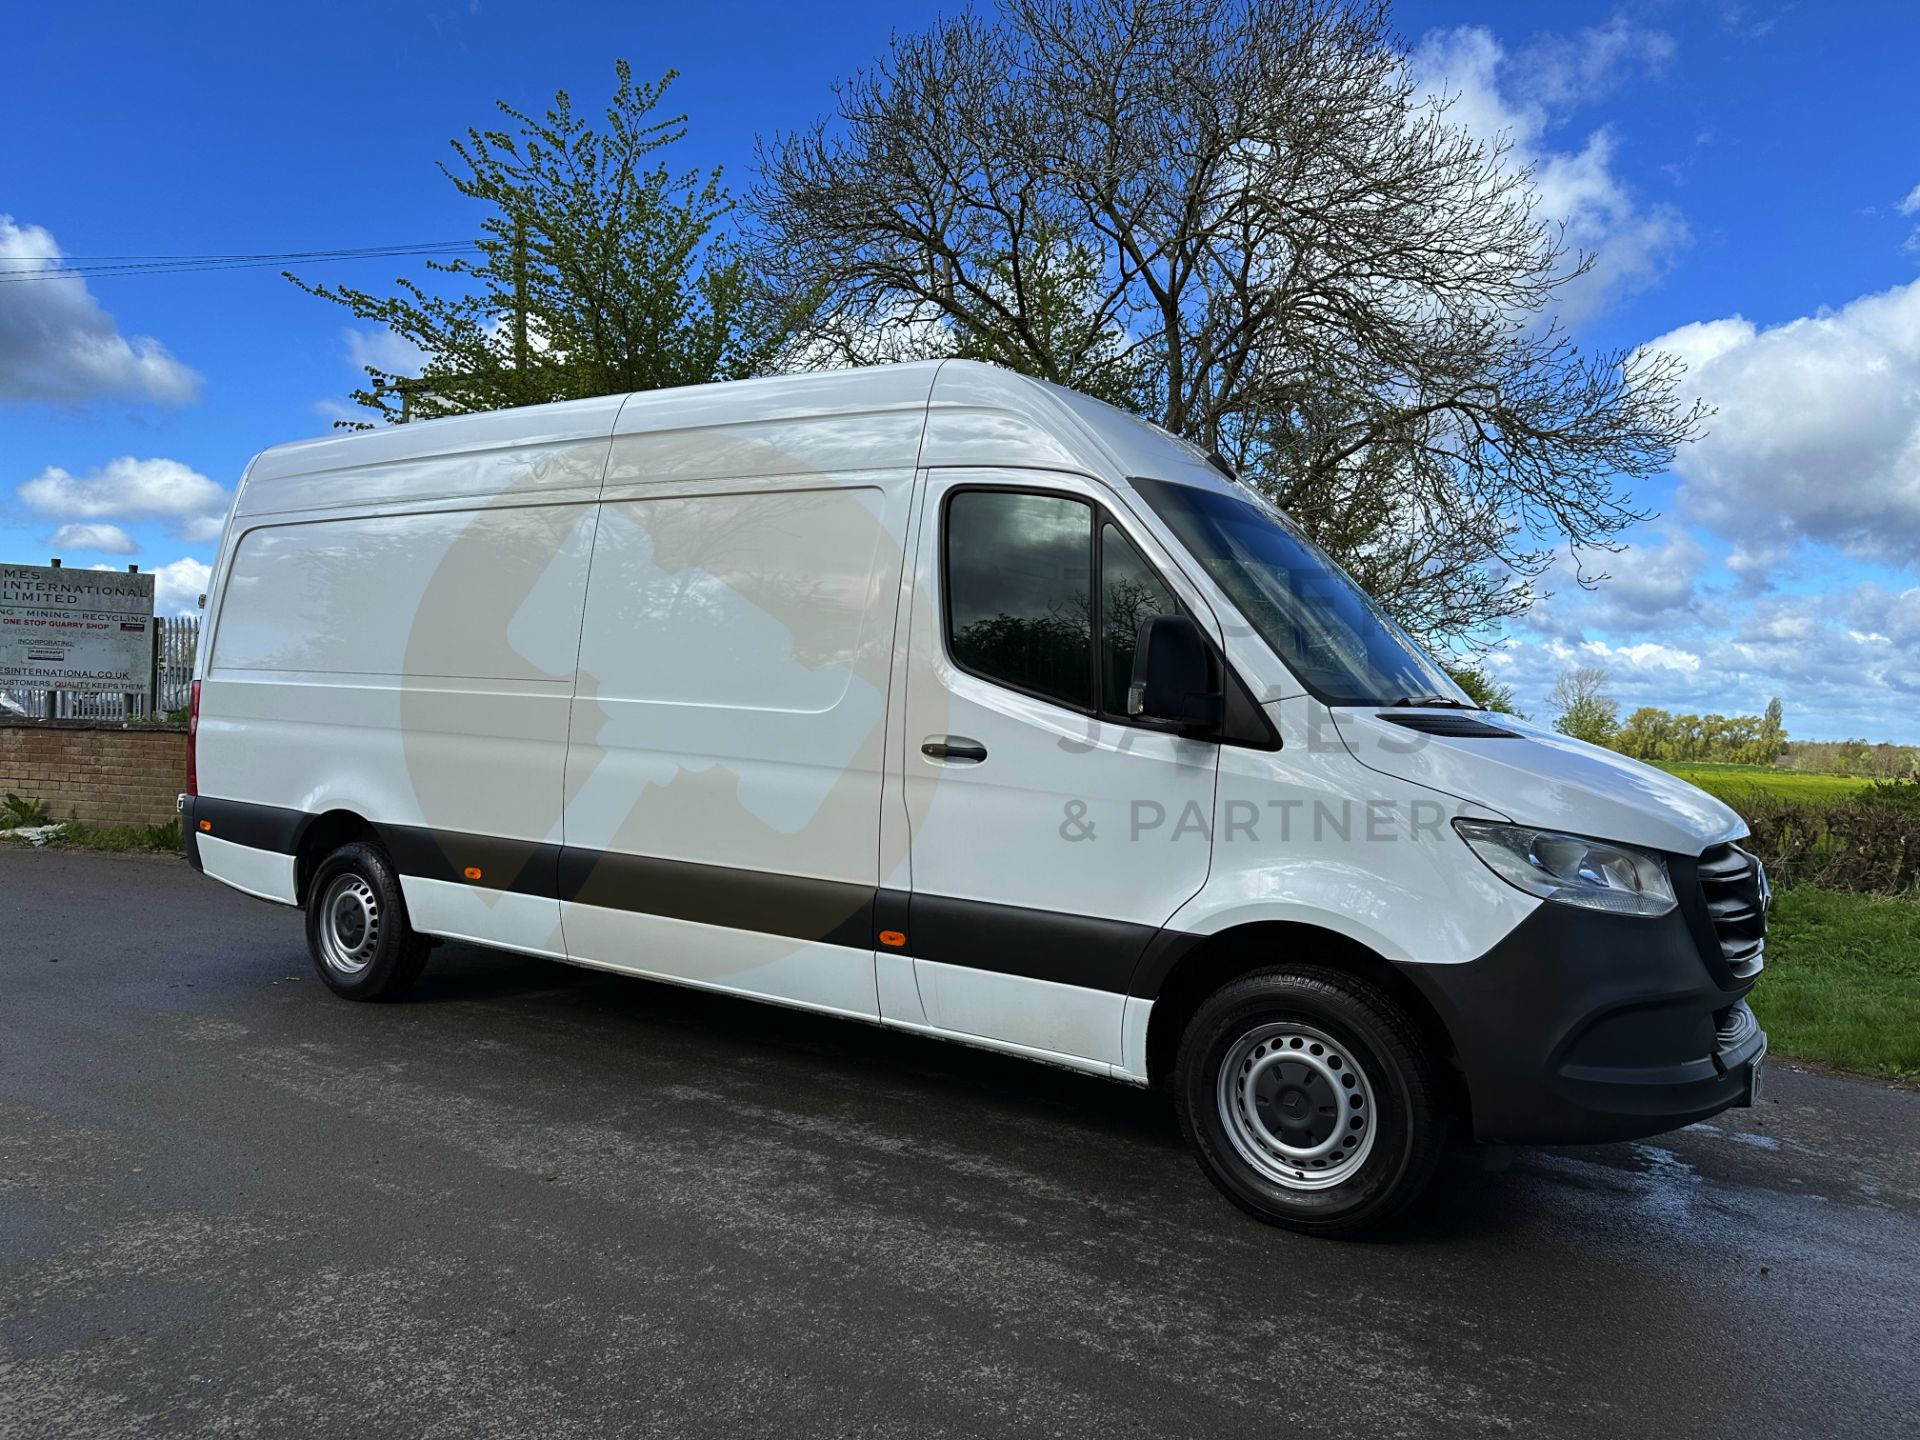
1584 1028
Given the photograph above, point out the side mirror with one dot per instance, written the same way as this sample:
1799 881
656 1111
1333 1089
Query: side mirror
1172 679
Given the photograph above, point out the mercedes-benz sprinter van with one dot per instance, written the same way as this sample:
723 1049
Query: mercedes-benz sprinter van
940 698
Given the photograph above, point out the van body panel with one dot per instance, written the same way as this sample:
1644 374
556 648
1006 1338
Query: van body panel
261 873
731 701
1307 835
1042 1016
835 978
414 652
459 910
730 710
552 452
1548 779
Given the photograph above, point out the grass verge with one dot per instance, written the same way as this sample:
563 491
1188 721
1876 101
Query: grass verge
1842 983
77 835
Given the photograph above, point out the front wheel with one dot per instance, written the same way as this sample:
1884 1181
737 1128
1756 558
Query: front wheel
1309 1099
357 929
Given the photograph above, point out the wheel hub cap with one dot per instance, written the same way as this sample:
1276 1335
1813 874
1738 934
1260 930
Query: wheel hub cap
349 925
1296 1105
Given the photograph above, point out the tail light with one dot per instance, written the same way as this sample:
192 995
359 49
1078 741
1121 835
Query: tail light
193 740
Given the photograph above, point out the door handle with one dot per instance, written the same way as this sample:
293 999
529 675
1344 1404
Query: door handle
954 749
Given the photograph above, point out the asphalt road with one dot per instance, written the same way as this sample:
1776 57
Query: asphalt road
541 1201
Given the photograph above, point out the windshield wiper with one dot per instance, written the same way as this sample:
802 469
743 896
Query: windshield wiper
1424 702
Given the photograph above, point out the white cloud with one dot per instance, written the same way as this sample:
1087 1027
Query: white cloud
202 529
1568 70
1520 98
1647 655
58 345
1881 614
1818 432
127 488
105 539
1911 206
383 350
388 353
339 410
1655 583
178 586
1845 660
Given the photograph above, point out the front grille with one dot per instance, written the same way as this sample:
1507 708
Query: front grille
1733 889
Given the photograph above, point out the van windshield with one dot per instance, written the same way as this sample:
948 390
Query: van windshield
1335 638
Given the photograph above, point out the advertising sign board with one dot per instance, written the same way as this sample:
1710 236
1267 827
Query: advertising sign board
63 629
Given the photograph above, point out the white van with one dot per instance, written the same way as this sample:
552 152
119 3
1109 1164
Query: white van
944 699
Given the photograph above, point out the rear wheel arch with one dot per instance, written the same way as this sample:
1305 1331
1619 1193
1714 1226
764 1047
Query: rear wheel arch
1261 945
319 838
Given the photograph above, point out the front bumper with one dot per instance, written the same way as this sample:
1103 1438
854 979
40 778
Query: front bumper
1582 1027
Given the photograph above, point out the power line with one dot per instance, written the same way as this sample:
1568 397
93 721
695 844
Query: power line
81 267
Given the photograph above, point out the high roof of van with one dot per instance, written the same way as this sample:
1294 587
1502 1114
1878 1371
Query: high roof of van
925 413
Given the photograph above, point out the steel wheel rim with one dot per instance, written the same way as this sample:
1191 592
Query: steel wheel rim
1297 1106
349 925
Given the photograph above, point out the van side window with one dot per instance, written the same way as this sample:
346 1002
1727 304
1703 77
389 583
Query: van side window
1129 593
1019 610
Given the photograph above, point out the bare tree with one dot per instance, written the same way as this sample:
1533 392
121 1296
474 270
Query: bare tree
1309 267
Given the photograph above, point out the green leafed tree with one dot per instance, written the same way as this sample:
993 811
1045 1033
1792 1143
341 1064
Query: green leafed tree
600 270
1648 734
1483 689
1582 708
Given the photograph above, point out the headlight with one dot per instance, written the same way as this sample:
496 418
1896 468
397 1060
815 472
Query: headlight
1570 869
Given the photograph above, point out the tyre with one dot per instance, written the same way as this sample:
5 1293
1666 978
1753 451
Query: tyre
1309 1099
357 930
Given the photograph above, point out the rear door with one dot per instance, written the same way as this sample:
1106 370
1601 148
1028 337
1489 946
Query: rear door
1051 837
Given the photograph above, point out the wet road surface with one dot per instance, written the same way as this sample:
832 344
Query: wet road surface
541 1201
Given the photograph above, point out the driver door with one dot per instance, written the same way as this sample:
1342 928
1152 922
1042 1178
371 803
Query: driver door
1050 835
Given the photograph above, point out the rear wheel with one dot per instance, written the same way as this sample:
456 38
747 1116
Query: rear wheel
1309 1099
357 929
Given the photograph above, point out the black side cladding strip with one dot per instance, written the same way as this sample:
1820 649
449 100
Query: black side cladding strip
520 867
1083 950
1037 944
263 827
831 911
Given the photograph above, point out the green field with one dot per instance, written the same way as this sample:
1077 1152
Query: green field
1842 983
1728 782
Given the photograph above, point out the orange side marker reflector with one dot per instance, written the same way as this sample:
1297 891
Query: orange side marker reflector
472 872
206 824
892 938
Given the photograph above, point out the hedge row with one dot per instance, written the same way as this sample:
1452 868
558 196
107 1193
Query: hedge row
1868 843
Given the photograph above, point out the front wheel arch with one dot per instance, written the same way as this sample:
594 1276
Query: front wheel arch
1226 956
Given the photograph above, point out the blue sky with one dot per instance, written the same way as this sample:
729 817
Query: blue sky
1748 174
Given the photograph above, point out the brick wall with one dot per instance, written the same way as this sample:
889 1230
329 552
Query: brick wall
99 771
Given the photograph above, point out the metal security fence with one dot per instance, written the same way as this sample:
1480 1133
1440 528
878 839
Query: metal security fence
176 638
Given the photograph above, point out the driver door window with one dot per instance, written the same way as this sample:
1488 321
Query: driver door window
1023 608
